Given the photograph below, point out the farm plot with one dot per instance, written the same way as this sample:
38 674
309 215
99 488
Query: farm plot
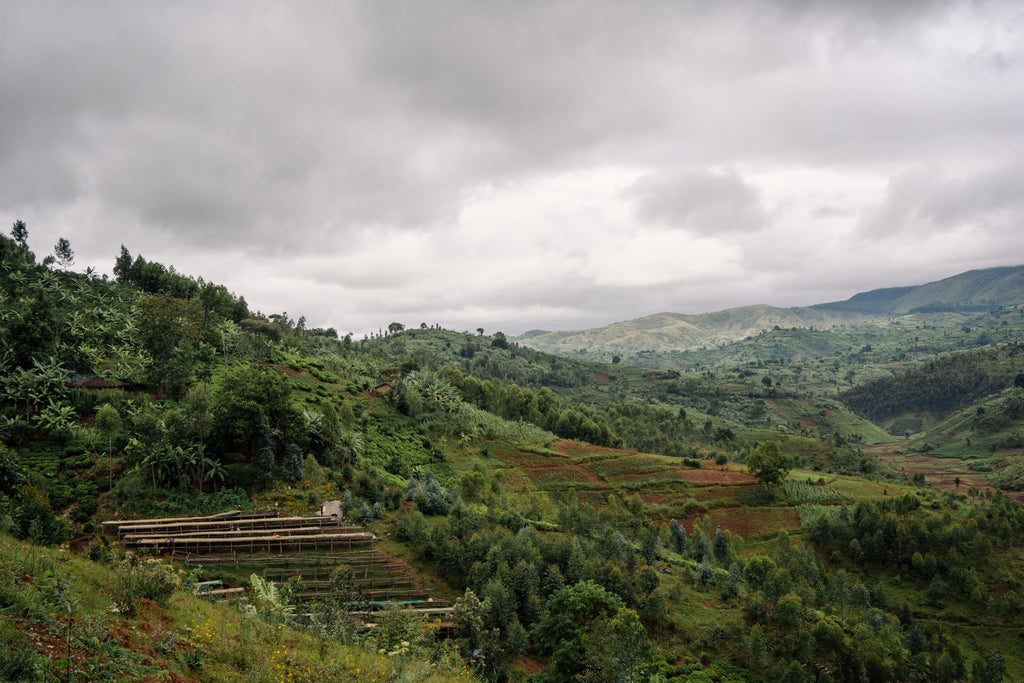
707 476
942 473
724 494
553 472
750 522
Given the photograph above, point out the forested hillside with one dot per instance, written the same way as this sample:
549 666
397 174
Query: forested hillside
940 386
588 521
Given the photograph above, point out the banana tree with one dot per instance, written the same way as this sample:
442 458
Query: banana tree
214 471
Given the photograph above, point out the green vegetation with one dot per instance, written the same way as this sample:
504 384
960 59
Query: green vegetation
602 521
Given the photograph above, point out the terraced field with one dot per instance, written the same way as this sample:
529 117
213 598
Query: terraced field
941 473
668 488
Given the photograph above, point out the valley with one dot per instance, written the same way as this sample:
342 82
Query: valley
783 506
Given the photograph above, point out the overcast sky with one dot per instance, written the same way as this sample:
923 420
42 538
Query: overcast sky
522 164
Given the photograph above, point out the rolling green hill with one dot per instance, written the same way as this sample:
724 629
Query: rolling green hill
976 291
675 332
940 386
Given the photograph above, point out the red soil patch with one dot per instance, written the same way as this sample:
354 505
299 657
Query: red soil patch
717 476
552 466
513 478
532 665
562 471
706 493
747 522
640 476
657 498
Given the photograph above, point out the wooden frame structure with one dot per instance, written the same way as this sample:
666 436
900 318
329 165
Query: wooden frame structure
284 547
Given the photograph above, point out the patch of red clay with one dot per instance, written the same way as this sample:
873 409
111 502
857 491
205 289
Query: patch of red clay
727 493
717 476
562 470
748 522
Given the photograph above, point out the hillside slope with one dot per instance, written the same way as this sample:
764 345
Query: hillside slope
978 290
973 291
674 331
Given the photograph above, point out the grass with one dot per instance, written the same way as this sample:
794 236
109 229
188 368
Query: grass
52 598
855 488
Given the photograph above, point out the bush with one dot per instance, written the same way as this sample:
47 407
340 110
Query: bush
430 497
137 580
97 552
32 518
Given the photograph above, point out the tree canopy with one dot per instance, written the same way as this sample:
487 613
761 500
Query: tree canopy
768 463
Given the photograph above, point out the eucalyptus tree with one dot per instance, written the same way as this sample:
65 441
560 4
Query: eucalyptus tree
64 254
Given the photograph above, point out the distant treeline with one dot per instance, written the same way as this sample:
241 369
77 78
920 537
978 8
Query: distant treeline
940 307
942 386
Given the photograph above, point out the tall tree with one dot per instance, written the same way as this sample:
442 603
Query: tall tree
108 421
123 266
170 329
19 231
562 632
768 463
64 254
243 398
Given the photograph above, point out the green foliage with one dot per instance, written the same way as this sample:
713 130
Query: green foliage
570 616
941 386
470 426
108 421
32 518
169 329
138 579
273 600
429 496
245 396
768 463
811 492
183 503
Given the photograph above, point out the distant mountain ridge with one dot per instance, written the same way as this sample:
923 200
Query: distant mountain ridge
972 291
985 289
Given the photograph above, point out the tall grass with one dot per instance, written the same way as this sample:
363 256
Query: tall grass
806 492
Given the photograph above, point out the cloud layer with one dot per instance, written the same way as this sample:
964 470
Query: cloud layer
519 165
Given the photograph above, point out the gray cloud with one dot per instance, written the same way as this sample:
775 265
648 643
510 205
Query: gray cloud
703 202
924 201
517 165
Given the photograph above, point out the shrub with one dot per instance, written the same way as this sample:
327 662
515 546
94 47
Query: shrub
137 580
97 552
